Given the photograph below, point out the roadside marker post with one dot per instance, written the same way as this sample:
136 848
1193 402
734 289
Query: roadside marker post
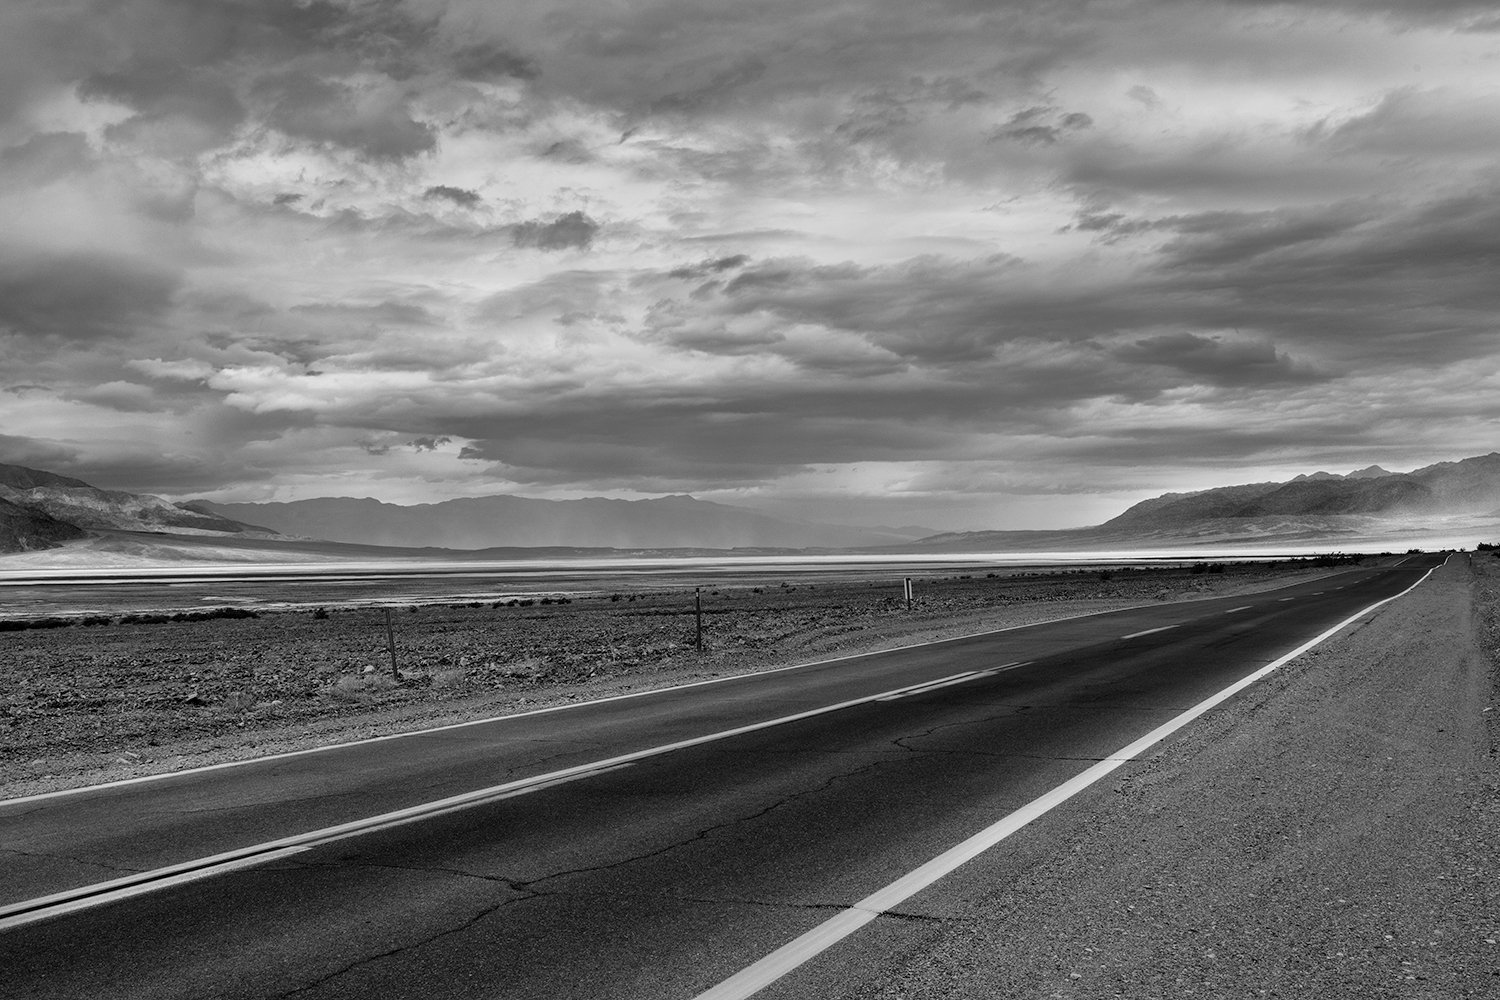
390 644
907 590
698 613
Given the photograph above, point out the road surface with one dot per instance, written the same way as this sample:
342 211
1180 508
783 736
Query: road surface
648 846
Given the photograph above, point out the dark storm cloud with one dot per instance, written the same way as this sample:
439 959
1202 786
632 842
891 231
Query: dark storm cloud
744 70
43 158
1418 123
335 73
378 314
36 454
1041 126
709 267
1218 360
575 230
373 121
429 443
729 442
459 196
82 296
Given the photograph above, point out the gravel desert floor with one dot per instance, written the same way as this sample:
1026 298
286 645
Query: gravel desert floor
135 694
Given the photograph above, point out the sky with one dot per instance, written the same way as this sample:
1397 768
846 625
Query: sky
958 264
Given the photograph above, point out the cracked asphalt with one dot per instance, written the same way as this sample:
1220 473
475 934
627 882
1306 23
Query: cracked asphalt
664 876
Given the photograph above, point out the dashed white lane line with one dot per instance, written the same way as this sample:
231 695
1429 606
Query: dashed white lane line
1283 600
758 976
1245 608
140 883
1149 631
964 678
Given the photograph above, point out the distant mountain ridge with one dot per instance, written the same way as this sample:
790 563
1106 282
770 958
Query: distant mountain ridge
1319 506
1468 486
595 522
40 510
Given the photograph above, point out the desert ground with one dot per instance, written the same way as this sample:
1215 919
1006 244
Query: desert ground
112 696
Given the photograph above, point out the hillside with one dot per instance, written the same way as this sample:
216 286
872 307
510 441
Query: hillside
40 510
1470 486
1360 507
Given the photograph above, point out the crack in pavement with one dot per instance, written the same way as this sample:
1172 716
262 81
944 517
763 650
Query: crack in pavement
526 888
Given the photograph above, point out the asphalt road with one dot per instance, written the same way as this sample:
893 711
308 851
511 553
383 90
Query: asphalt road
658 875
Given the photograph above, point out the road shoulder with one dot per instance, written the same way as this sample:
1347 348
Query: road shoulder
1331 832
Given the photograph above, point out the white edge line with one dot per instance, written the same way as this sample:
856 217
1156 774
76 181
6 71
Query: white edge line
789 956
557 708
140 883
1149 631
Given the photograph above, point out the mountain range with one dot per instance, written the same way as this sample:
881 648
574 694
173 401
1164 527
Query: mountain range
40 510
1319 506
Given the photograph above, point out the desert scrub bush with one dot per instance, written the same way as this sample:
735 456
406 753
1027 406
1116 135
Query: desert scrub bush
448 677
238 701
21 624
358 687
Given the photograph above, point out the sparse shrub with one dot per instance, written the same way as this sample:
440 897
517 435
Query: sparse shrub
448 677
239 701
320 613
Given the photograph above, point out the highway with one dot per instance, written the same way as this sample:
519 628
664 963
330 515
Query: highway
647 846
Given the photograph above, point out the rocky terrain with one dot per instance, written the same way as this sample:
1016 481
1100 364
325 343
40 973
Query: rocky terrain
103 697
40 510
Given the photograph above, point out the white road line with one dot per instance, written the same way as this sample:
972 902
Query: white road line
967 675
1283 600
1245 608
783 960
1149 631
82 897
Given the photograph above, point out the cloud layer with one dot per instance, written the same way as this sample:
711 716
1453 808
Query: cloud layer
978 265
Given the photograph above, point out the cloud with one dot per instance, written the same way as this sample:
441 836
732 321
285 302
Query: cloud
575 230
374 119
710 267
82 296
902 248
459 196
34 453
1218 360
1041 126
44 158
